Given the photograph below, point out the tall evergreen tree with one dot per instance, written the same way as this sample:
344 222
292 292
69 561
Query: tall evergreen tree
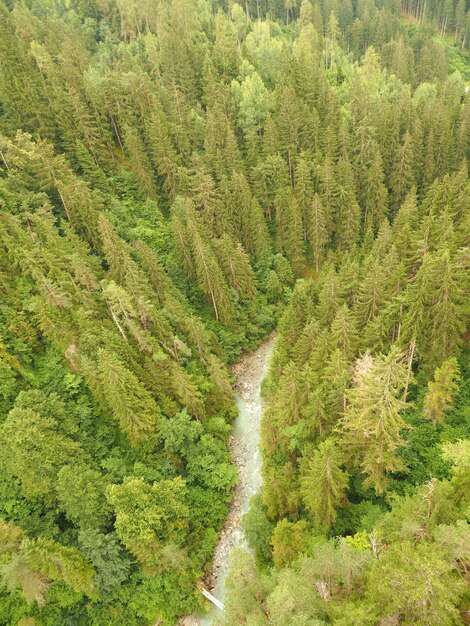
441 390
372 425
131 404
323 482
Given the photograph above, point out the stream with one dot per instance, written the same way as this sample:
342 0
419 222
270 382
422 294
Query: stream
249 373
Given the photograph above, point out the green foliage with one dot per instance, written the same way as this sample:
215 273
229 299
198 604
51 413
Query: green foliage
441 389
323 482
372 422
151 520
175 181
288 540
80 494
427 589
107 556
258 529
34 450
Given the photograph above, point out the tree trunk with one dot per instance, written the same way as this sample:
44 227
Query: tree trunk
215 306
410 365
2 156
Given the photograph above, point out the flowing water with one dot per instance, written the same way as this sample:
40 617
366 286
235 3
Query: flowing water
244 447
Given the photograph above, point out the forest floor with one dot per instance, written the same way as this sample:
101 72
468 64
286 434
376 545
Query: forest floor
249 372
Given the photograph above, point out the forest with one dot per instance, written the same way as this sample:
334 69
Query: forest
177 180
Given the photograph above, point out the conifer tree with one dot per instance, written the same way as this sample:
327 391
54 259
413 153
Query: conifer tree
289 230
287 120
35 563
247 216
403 228
60 563
402 178
163 155
304 192
441 390
343 332
371 294
181 236
323 482
209 276
335 378
317 233
236 266
329 299
327 188
139 160
371 427
347 221
435 306
128 400
372 193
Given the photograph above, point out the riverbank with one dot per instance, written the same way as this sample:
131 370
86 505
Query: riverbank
249 373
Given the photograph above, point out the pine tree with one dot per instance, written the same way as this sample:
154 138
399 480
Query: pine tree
404 226
343 332
441 390
186 390
347 211
139 160
435 307
209 276
371 293
323 482
372 192
304 191
287 408
60 563
371 427
247 216
163 155
236 266
128 400
317 234
336 378
181 236
329 299
289 230
403 178
287 120
327 187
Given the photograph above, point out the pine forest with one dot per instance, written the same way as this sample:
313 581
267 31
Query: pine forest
180 179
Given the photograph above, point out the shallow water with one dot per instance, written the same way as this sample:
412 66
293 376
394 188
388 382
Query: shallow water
244 446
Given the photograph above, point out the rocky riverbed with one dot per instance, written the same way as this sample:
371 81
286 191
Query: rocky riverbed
249 372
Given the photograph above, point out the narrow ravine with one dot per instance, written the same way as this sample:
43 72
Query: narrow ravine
249 372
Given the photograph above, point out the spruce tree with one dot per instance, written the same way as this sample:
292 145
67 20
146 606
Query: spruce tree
317 233
347 221
323 482
435 307
289 230
441 390
371 428
403 178
128 400
343 332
